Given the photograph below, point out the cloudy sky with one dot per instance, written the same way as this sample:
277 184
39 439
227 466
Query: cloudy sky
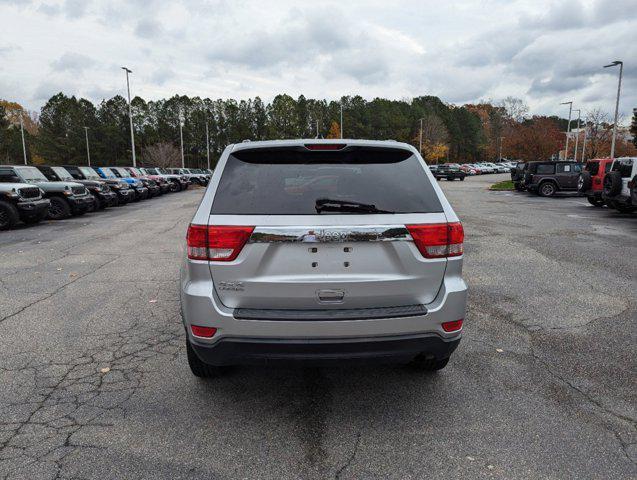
545 52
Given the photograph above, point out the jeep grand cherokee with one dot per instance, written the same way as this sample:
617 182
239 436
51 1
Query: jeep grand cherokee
319 252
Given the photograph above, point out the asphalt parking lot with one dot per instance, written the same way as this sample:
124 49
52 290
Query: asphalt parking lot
95 382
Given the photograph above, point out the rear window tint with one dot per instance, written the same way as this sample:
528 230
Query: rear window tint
290 181
592 168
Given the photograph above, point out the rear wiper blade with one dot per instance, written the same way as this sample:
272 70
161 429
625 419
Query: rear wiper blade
332 205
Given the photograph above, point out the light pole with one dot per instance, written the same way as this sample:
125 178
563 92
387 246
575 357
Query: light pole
130 116
568 129
207 146
584 143
579 112
24 145
501 138
420 137
619 88
341 118
181 140
88 152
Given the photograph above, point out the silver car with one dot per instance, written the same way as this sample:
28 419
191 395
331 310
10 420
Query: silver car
320 252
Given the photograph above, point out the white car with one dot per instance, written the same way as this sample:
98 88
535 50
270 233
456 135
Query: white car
620 185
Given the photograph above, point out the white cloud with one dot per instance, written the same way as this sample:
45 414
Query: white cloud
541 50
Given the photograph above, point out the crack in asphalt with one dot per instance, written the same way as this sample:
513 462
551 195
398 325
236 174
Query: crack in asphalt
57 290
350 459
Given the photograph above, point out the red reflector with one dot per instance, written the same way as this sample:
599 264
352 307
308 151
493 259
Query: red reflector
325 146
438 240
205 332
452 326
216 243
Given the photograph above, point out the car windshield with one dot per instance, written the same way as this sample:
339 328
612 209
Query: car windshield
89 173
292 182
150 171
31 174
62 174
135 171
163 171
108 173
122 172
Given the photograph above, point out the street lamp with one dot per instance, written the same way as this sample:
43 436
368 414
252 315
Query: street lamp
130 116
568 129
24 145
341 118
207 145
88 152
501 138
420 138
579 112
181 139
619 88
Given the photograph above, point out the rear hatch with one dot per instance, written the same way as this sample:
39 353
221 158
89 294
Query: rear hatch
323 229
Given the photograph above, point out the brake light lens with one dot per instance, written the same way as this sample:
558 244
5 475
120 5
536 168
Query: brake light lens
438 240
205 332
216 243
452 326
325 146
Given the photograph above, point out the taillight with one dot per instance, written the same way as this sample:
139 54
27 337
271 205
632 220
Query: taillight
216 243
438 240
453 326
205 332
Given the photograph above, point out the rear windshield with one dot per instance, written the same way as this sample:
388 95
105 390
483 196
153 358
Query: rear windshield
291 181
592 168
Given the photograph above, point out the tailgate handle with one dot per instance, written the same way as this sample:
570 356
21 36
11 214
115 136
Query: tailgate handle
330 296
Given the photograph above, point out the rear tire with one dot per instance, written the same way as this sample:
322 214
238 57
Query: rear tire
98 203
9 215
622 208
584 182
199 368
59 209
425 364
612 184
547 189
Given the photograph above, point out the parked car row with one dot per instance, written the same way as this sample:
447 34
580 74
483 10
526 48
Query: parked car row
603 181
453 171
33 193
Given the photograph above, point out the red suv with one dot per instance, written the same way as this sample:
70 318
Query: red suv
591 180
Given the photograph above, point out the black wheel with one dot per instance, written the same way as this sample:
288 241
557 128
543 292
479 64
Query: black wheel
199 368
9 215
462 179
596 202
59 209
633 191
428 364
174 186
518 186
547 189
584 182
612 184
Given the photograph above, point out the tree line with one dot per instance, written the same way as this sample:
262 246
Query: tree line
468 133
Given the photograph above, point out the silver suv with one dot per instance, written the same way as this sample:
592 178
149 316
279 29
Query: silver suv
319 252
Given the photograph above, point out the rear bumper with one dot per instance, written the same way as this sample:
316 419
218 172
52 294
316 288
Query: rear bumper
262 336
255 351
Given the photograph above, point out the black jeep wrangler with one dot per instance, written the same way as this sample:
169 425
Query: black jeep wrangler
548 178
